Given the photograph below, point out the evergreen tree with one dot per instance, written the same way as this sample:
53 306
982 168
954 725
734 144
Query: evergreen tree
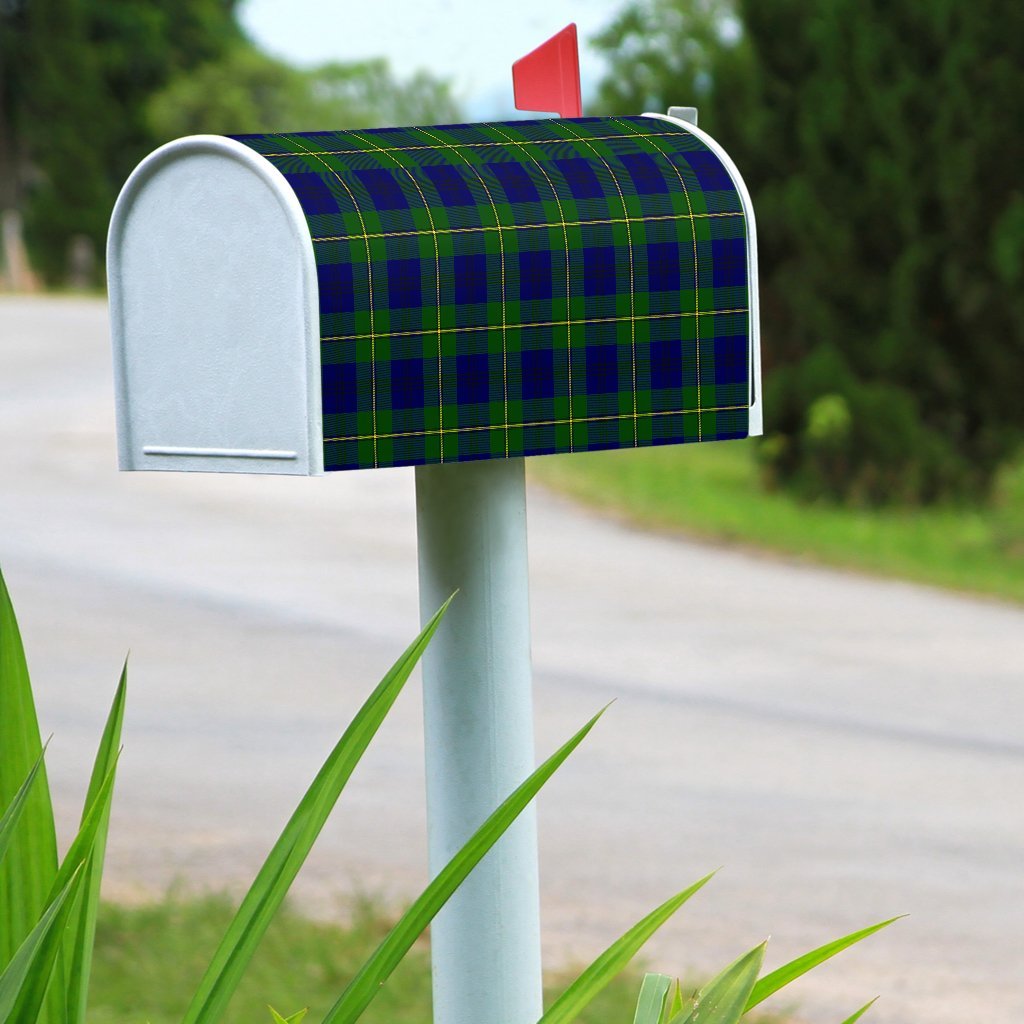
74 84
249 91
88 87
877 140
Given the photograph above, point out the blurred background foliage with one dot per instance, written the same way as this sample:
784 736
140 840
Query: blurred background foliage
89 87
874 137
877 138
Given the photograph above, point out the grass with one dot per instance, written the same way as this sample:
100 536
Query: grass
149 958
713 491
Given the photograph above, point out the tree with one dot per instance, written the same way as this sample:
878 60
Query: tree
75 79
873 136
249 91
88 87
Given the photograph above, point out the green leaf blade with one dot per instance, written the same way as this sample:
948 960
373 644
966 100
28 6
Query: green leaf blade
595 977
29 868
72 867
11 816
782 976
289 852
372 975
23 983
723 1000
295 1018
82 930
651 1003
854 1017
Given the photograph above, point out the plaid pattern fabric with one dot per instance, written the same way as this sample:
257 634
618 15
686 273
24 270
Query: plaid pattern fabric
522 288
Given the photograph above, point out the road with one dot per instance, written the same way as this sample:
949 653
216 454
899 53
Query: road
845 748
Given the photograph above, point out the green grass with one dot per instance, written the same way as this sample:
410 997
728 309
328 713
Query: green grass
149 959
713 491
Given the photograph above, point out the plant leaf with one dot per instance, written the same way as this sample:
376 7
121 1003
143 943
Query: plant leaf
82 930
372 975
24 980
782 976
723 999
295 1018
594 978
17 805
676 1004
853 1018
282 864
651 1002
30 866
73 866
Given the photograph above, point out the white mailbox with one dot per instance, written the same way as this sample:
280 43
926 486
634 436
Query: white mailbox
404 296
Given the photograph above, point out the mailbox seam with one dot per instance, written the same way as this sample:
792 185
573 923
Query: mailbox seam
632 275
565 239
369 289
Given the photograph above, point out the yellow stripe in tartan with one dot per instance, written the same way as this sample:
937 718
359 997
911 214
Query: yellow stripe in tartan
526 227
632 276
501 255
437 277
696 265
543 323
446 145
568 278
369 287
538 423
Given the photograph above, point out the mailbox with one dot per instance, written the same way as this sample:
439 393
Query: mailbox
296 303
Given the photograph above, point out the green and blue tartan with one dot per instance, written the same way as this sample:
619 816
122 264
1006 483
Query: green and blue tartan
522 288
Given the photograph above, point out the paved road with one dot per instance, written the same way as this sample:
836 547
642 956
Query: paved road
846 748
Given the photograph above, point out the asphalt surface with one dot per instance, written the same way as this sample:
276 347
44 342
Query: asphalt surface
845 748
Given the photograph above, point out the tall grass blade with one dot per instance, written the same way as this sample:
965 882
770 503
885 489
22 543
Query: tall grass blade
572 1001
372 975
28 871
25 978
651 1003
81 934
30 866
17 805
282 864
723 1000
675 1006
771 983
295 1018
853 1018
73 866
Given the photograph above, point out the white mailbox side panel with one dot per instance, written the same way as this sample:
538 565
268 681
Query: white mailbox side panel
214 315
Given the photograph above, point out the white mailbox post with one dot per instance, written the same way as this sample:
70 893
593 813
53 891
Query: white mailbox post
453 298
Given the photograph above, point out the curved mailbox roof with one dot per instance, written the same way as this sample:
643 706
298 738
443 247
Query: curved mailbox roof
521 288
340 300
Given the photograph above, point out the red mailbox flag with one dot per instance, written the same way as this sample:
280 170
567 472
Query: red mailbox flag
548 78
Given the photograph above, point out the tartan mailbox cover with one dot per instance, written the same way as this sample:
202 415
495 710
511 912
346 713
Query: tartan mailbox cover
359 299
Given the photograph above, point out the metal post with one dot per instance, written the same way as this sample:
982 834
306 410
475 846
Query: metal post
478 720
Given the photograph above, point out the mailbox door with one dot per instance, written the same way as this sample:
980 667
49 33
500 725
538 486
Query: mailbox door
214 316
